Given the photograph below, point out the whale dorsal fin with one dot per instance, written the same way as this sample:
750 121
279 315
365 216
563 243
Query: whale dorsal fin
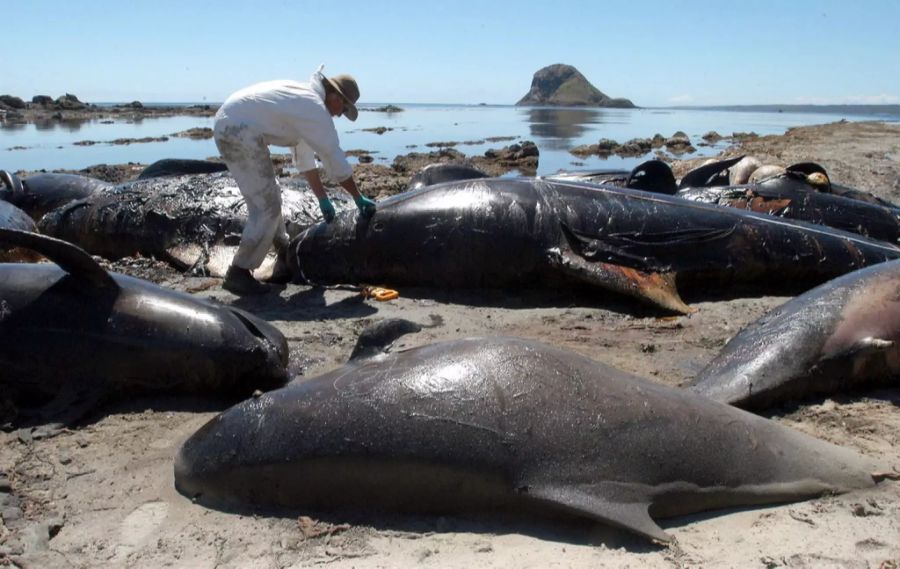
376 338
71 258
652 176
700 177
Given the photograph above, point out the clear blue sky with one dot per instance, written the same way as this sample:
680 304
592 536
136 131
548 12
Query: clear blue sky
656 53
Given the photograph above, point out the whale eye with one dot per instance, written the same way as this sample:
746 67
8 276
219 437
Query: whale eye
378 226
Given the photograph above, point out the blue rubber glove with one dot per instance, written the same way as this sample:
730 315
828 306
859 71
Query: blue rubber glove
327 209
365 205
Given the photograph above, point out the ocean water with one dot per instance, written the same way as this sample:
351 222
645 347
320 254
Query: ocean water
51 145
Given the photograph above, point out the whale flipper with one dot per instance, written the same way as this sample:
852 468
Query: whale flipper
700 177
630 515
376 338
70 258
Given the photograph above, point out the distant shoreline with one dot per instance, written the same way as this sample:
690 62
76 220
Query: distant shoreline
874 110
158 109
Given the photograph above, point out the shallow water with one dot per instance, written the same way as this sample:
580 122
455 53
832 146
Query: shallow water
51 145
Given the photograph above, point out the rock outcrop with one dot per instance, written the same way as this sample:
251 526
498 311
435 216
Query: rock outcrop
562 84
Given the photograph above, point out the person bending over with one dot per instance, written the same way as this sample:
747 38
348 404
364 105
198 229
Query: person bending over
282 113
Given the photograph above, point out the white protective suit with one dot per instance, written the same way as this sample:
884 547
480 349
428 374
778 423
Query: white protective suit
281 113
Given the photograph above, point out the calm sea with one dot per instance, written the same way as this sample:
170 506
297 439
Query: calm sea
51 145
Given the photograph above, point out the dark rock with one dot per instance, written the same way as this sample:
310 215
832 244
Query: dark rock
562 84
679 141
69 102
584 150
712 136
523 157
441 144
415 161
741 136
42 100
635 147
12 102
136 105
384 109
107 173
603 148
196 133
607 146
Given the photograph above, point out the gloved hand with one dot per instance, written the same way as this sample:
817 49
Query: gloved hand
365 205
327 209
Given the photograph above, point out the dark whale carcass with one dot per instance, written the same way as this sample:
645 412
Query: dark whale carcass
40 193
440 173
820 181
180 167
74 324
192 222
791 198
841 335
651 176
500 232
745 170
487 423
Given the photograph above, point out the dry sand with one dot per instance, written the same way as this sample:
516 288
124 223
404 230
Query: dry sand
105 490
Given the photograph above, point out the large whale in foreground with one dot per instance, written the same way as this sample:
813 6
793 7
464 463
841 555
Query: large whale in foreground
485 423
841 335
516 233
73 324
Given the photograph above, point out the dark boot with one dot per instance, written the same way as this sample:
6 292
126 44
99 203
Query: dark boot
240 282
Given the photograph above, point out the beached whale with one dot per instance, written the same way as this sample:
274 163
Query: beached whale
180 167
522 232
482 424
73 325
744 170
842 335
192 222
652 176
440 173
40 193
777 196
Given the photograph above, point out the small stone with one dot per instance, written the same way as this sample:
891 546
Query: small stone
10 514
36 537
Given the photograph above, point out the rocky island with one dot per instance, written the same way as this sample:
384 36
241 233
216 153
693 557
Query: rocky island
563 85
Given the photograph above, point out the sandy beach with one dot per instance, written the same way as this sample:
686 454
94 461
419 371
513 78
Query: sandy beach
102 494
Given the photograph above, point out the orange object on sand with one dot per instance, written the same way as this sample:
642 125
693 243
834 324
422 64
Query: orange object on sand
379 293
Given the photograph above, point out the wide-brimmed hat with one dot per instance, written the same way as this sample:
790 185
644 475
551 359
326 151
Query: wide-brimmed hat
346 87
